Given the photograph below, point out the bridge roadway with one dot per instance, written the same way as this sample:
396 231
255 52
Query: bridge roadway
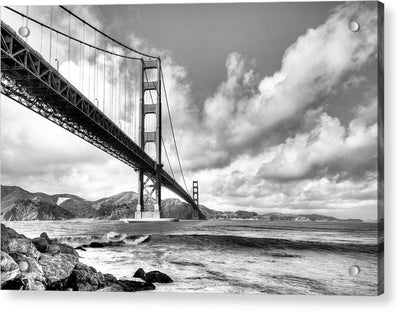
29 79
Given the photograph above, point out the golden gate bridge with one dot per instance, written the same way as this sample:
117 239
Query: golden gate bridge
113 96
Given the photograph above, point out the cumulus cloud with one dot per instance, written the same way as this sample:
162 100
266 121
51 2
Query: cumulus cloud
329 148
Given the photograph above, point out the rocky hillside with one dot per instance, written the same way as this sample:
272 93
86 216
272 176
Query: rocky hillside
19 204
36 209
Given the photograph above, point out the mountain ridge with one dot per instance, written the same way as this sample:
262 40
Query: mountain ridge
20 204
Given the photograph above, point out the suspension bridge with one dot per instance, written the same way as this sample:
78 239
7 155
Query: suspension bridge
68 71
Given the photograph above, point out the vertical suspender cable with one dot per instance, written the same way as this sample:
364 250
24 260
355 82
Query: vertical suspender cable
51 32
104 82
26 21
83 59
69 46
95 71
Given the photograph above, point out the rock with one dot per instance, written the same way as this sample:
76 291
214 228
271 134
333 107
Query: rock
7 233
83 278
40 243
104 244
109 279
96 245
33 276
9 268
131 286
21 246
100 279
15 284
45 237
153 276
80 248
33 285
112 288
57 267
53 248
66 249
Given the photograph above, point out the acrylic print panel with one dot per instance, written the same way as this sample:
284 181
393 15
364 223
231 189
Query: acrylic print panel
214 148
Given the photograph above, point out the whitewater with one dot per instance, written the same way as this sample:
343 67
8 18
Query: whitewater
228 256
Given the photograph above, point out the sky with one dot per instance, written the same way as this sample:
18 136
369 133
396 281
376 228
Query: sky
274 107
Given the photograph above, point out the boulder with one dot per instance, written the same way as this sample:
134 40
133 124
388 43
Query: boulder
40 243
109 278
15 284
132 286
112 288
83 278
100 279
33 285
9 268
57 267
153 276
33 277
6 234
22 246
45 237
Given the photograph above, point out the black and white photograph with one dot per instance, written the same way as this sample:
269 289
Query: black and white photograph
229 148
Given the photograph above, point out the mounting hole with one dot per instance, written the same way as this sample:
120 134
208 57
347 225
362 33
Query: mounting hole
354 26
354 270
24 31
23 266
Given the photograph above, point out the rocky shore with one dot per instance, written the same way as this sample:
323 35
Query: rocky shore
43 264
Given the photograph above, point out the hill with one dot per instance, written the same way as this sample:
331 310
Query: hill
20 204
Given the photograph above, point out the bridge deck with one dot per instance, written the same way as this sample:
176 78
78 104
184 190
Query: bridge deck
29 79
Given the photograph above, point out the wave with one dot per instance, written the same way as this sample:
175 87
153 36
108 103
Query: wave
261 243
97 241
215 241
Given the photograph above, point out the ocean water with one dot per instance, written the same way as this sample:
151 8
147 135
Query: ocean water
229 256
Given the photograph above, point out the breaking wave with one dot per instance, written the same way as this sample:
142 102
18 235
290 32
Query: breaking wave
263 243
117 239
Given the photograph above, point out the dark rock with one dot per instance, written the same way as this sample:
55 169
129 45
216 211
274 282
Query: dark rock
53 248
15 284
112 288
153 276
104 244
80 248
109 278
45 237
40 244
66 249
96 245
100 279
83 278
9 268
131 286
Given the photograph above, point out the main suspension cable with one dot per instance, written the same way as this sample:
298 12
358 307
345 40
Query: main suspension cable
172 129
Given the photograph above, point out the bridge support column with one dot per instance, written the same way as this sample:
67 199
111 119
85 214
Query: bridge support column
149 188
196 199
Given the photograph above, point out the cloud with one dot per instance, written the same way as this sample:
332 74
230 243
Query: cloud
243 115
329 148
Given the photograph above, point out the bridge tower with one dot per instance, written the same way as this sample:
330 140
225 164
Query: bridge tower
149 186
196 199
